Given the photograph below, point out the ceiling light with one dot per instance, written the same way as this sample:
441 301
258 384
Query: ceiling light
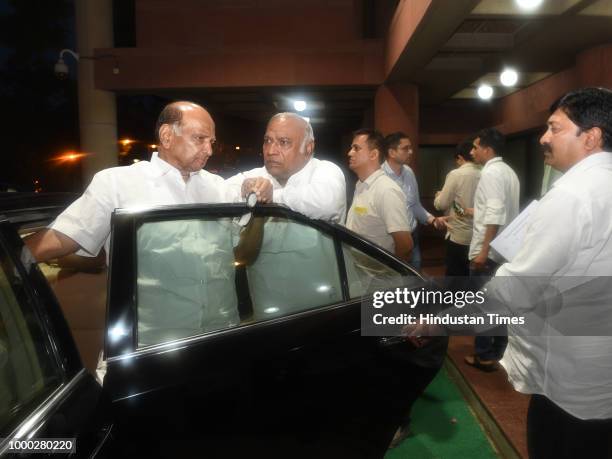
528 4
299 105
509 77
485 91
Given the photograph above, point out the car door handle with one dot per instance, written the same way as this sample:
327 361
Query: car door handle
389 341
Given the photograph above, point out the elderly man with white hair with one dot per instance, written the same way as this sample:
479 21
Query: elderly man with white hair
306 184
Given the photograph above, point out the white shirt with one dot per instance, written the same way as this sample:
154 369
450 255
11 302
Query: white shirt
378 209
318 190
496 202
185 268
569 235
144 184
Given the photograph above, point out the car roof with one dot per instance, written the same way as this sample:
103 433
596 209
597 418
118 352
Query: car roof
30 210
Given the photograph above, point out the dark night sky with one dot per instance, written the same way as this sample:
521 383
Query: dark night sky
43 110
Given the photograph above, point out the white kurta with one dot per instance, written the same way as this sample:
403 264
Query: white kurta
185 268
569 237
144 184
318 190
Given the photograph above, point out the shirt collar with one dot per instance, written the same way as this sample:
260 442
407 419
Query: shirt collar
162 168
372 177
593 160
297 177
387 168
495 159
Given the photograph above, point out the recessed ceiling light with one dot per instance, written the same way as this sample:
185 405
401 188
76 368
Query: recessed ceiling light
485 91
299 105
508 77
528 4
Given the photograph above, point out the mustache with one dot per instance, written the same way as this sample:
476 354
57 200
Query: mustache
546 148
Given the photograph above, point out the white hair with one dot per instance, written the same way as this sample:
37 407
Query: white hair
308 132
178 130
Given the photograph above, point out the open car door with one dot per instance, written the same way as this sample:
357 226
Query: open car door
45 392
227 338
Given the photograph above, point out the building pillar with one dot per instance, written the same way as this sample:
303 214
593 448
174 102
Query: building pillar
97 109
396 108
594 67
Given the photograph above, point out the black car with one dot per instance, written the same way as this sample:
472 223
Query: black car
217 343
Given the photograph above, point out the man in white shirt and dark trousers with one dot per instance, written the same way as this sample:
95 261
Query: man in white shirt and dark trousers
496 204
398 153
569 237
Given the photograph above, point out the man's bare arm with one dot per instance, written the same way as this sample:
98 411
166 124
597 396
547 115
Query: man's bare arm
403 244
83 264
479 262
48 244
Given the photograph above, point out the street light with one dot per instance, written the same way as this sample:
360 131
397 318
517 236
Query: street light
68 157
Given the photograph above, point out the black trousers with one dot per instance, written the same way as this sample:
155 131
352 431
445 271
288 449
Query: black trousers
554 433
457 261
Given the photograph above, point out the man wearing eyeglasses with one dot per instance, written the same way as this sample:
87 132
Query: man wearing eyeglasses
302 182
398 153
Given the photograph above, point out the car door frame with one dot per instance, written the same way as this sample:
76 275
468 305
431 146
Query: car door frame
121 298
77 390
135 374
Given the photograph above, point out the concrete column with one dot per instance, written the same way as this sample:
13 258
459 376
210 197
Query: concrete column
97 109
396 108
594 67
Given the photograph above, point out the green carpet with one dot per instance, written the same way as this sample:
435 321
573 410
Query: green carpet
443 427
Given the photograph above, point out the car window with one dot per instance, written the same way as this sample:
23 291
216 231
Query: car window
28 368
189 280
366 274
75 281
295 270
185 278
